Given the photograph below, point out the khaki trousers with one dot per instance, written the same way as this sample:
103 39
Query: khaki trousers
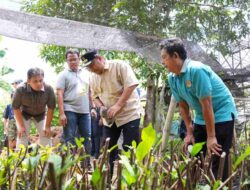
43 140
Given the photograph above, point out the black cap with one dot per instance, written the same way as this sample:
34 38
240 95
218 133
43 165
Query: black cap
88 57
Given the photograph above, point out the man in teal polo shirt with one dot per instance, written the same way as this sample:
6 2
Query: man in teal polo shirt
195 86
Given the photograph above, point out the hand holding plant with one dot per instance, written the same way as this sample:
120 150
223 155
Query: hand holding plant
113 110
213 146
189 139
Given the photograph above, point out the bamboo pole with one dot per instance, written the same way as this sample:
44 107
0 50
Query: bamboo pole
119 175
168 123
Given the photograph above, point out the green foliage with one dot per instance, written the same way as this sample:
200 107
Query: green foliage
96 177
33 129
196 148
3 103
2 53
242 157
215 23
148 140
56 118
79 142
69 185
30 163
4 70
155 171
216 185
5 85
55 55
128 172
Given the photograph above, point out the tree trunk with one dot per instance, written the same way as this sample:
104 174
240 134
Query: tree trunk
150 104
160 109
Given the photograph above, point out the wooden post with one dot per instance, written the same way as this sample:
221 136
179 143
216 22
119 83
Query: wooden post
221 166
168 123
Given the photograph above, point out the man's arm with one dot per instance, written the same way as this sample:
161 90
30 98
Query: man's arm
185 113
208 114
92 105
19 121
49 118
63 118
98 102
91 101
121 101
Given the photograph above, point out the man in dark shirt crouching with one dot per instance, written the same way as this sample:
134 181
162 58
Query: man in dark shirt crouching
29 103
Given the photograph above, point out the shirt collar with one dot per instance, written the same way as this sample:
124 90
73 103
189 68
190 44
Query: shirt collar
74 71
185 65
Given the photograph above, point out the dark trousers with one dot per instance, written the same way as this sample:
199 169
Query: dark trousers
96 134
130 133
224 134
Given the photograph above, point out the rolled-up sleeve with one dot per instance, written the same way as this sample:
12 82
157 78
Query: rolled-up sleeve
60 81
202 84
94 87
52 98
128 77
17 99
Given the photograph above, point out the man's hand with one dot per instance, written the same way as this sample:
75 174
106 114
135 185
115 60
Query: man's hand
93 113
213 146
63 120
21 132
189 139
100 123
113 110
47 131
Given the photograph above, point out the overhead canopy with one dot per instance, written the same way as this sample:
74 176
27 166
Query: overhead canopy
48 30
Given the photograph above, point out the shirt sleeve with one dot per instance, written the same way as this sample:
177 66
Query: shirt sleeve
52 98
174 90
17 99
201 83
60 84
127 75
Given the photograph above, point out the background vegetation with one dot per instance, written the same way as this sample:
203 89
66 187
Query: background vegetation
215 24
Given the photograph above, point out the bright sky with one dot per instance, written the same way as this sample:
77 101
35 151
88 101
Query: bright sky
22 55
10 4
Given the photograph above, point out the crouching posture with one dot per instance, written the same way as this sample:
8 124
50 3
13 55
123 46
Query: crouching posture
29 103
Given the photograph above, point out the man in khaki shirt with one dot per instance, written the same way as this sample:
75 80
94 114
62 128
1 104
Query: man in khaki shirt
113 84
